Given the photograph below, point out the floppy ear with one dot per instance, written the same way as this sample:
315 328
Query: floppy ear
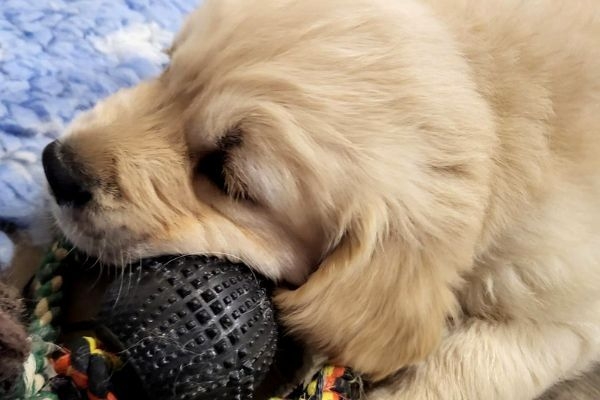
375 304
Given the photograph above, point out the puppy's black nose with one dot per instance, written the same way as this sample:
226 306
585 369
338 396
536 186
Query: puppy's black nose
66 182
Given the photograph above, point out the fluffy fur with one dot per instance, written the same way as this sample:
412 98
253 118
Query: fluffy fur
14 344
425 172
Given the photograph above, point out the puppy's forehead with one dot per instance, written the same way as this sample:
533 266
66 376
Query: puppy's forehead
223 35
263 65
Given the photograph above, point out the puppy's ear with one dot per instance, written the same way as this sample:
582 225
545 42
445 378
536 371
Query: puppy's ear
375 304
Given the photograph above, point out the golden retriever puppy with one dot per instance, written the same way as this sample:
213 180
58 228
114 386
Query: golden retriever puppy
424 175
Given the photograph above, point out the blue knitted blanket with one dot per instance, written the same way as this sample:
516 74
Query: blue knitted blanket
57 58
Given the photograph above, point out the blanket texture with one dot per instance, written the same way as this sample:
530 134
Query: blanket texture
57 58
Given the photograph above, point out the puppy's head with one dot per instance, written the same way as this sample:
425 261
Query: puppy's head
296 137
141 175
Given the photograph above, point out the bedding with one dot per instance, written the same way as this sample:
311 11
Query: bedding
57 58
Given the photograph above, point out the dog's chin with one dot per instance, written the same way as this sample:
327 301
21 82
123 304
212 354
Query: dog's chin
107 252
109 245
116 244
121 247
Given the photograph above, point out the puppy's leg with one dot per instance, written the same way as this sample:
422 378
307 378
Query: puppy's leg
482 360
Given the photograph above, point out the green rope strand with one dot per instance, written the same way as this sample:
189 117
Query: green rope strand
43 327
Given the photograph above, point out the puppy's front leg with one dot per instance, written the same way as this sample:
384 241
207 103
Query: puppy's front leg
483 360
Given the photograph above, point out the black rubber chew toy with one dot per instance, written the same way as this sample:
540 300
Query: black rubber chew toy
193 328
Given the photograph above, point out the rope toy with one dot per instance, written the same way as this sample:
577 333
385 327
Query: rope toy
330 383
43 329
89 367
83 368
52 372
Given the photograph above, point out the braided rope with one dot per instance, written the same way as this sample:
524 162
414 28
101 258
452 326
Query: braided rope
43 373
329 383
43 329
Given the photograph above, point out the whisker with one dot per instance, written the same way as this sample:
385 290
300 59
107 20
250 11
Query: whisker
121 279
129 273
229 256
98 261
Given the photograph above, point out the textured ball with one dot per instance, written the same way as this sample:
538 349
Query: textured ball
193 327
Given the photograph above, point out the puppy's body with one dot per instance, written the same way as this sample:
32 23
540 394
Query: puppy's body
428 170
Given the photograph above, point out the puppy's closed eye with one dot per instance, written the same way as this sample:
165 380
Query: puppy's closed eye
212 166
216 167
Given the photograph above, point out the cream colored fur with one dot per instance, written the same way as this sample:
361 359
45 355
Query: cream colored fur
428 171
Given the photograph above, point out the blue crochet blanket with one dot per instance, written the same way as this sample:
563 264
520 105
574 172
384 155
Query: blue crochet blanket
57 58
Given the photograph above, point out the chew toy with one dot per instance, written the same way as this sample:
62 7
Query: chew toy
194 328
